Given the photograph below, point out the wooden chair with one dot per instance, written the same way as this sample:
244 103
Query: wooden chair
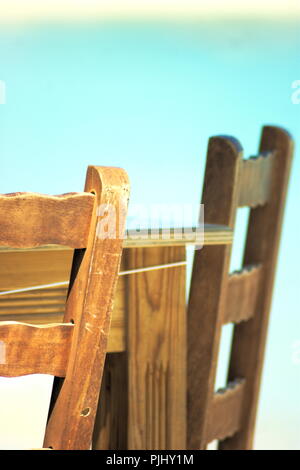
74 351
243 298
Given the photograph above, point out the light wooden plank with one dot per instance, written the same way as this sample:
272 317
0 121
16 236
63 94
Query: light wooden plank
182 236
30 349
34 268
28 220
214 234
156 332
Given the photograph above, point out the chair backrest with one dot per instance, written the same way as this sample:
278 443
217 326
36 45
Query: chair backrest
243 298
92 223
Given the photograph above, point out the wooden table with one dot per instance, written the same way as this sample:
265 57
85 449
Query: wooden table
143 396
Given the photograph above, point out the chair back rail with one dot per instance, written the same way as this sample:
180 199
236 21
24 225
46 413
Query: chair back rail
93 224
31 349
242 298
30 220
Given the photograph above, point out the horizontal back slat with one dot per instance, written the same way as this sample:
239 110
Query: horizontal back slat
255 180
29 349
31 220
242 292
116 338
225 411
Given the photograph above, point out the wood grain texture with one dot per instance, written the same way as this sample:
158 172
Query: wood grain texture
156 345
213 235
48 305
242 293
29 349
29 220
216 298
208 285
255 178
224 417
261 248
89 304
44 301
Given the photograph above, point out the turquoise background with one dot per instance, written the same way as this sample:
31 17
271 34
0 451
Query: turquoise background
146 97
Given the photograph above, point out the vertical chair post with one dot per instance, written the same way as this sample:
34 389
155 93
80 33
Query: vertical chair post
243 298
89 303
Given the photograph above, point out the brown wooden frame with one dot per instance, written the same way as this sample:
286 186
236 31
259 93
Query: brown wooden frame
243 298
155 301
75 349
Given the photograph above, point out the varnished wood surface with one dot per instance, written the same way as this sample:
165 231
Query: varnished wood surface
262 245
29 220
156 332
27 349
243 298
207 294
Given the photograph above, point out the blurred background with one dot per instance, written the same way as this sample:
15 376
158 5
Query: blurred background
143 85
